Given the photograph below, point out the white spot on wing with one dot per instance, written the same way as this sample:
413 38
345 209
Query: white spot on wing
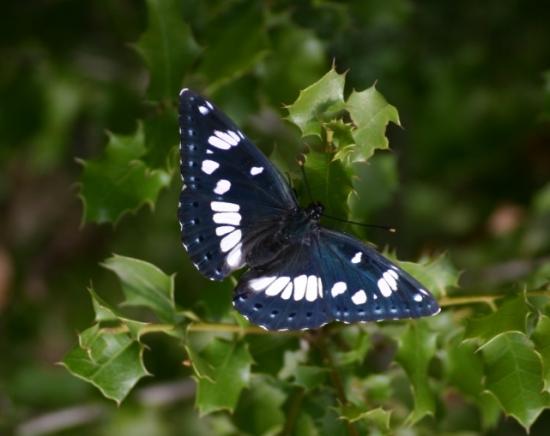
224 230
218 143
209 166
226 137
256 170
393 273
417 298
228 242
338 288
311 288
222 186
320 287
287 292
209 105
183 91
300 287
203 110
277 286
224 206
234 258
357 257
208 151
360 297
385 289
232 218
390 279
261 283
234 136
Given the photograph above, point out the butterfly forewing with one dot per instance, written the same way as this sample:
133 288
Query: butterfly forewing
230 188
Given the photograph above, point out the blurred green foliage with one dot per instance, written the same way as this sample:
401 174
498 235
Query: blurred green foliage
468 174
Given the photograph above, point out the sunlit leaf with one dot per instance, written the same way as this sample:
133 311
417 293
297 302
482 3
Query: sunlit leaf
167 47
437 274
541 339
511 315
119 182
416 349
113 362
145 285
318 103
229 371
514 376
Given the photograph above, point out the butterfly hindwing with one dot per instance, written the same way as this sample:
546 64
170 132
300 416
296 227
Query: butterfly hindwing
230 188
333 277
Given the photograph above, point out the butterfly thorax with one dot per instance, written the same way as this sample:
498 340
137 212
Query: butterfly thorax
298 226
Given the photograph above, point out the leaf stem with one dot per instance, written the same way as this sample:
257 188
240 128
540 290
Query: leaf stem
487 299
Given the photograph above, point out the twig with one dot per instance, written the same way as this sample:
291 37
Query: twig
335 378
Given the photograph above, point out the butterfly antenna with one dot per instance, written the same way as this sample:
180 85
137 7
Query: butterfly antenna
376 226
302 169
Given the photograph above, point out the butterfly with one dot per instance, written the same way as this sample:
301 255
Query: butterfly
236 210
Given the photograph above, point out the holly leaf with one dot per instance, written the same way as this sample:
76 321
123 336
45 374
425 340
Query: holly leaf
377 417
463 367
436 274
415 350
371 114
225 59
112 362
260 408
514 376
228 374
143 284
541 339
328 181
167 47
511 315
318 103
310 377
119 181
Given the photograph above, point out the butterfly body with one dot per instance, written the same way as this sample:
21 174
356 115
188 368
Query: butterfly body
237 210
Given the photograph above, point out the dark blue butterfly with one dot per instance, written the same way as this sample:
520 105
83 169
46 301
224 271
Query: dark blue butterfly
237 210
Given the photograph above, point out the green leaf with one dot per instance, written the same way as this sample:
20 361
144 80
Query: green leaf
416 349
229 372
310 377
167 47
105 313
511 315
329 182
374 186
377 417
436 274
463 367
112 362
541 339
318 103
371 114
145 285
161 140
236 42
514 376
259 410
119 181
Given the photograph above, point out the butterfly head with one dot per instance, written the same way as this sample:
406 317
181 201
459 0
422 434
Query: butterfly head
314 211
